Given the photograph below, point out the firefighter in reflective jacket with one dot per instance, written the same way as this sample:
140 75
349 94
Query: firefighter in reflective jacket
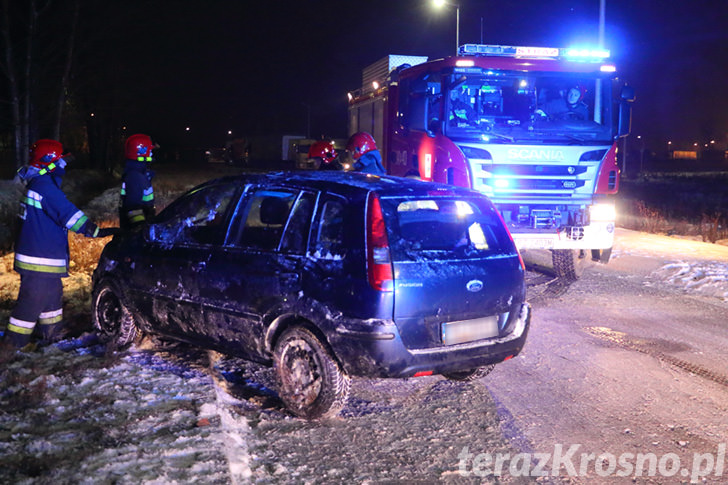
364 151
136 204
41 248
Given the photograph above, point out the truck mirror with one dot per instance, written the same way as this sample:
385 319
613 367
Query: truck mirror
627 94
625 119
433 127
625 111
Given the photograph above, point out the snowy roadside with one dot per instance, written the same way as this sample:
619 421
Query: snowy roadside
71 414
691 265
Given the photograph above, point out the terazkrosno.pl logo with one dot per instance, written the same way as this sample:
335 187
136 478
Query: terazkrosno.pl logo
573 463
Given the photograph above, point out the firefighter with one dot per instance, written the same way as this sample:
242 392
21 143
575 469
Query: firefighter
568 106
136 204
325 155
41 247
364 151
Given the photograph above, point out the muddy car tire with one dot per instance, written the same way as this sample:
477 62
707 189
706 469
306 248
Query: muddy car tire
470 375
112 320
310 382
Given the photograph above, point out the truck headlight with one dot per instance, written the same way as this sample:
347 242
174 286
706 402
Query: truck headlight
603 213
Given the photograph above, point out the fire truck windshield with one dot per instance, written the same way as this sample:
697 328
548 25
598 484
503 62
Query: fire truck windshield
535 107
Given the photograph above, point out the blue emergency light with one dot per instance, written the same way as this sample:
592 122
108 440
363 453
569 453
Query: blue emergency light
594 55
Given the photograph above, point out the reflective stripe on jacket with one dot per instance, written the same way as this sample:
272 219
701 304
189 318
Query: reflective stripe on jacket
46 216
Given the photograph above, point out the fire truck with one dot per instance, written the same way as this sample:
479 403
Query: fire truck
534 128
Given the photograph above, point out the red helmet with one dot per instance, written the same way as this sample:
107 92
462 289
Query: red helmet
139 147
44 152
323 150
361 143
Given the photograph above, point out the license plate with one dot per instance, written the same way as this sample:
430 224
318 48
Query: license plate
469 330
535 243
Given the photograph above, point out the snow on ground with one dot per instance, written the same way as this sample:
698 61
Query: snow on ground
79 416
692 265
75 413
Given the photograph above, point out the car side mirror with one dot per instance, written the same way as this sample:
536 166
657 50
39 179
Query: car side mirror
150 232
433 127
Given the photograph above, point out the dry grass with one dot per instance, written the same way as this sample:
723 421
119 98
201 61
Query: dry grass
85 251
685 204
636 215
714 227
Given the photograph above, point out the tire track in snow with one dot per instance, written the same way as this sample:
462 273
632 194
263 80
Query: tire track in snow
234 436
623 340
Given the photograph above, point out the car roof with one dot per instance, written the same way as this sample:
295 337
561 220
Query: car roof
351 182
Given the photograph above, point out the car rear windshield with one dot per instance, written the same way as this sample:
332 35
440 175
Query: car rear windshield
440 228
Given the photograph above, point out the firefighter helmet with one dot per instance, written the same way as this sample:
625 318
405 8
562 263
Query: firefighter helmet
45 152
361 143
139 147
323 150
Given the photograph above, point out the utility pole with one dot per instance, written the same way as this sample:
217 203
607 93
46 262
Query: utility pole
598 90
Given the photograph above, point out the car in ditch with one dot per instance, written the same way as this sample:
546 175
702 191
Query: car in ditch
324 276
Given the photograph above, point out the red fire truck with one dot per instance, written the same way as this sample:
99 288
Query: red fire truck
534 128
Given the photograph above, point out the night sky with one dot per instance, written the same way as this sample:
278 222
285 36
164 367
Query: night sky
268 67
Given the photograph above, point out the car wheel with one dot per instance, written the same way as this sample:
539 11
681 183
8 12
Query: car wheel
310 382
112 320
470 375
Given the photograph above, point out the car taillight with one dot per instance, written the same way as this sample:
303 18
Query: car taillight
379 262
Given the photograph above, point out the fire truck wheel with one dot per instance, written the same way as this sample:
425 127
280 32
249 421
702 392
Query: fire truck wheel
569 264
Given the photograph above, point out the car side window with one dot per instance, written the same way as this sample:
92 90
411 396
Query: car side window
200 217
329 241
266 215
295 238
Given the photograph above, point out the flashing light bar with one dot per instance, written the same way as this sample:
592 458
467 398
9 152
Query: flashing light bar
533 52
586 53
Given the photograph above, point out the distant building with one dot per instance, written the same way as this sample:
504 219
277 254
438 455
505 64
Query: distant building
683 155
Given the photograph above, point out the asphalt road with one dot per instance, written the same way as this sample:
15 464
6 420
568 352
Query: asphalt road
630 375
617 366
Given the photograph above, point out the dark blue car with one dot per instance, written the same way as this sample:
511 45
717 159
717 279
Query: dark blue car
323 276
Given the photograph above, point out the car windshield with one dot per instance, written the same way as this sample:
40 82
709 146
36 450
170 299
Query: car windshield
536 107
438 228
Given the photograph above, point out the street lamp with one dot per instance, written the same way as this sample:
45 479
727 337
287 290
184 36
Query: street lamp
642 152
442 3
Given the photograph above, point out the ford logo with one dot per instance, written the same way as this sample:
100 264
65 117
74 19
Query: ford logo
474 286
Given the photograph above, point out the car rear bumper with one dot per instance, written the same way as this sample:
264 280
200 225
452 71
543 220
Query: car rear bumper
379 351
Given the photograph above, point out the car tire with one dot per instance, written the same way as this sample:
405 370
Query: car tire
310 382
470 375
112 320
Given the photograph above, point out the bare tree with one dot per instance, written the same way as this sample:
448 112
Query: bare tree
61 101
10 71
29 63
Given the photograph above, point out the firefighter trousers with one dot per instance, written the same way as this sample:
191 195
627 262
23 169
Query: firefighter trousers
39 302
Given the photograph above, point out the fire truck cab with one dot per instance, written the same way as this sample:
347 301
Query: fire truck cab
534 128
